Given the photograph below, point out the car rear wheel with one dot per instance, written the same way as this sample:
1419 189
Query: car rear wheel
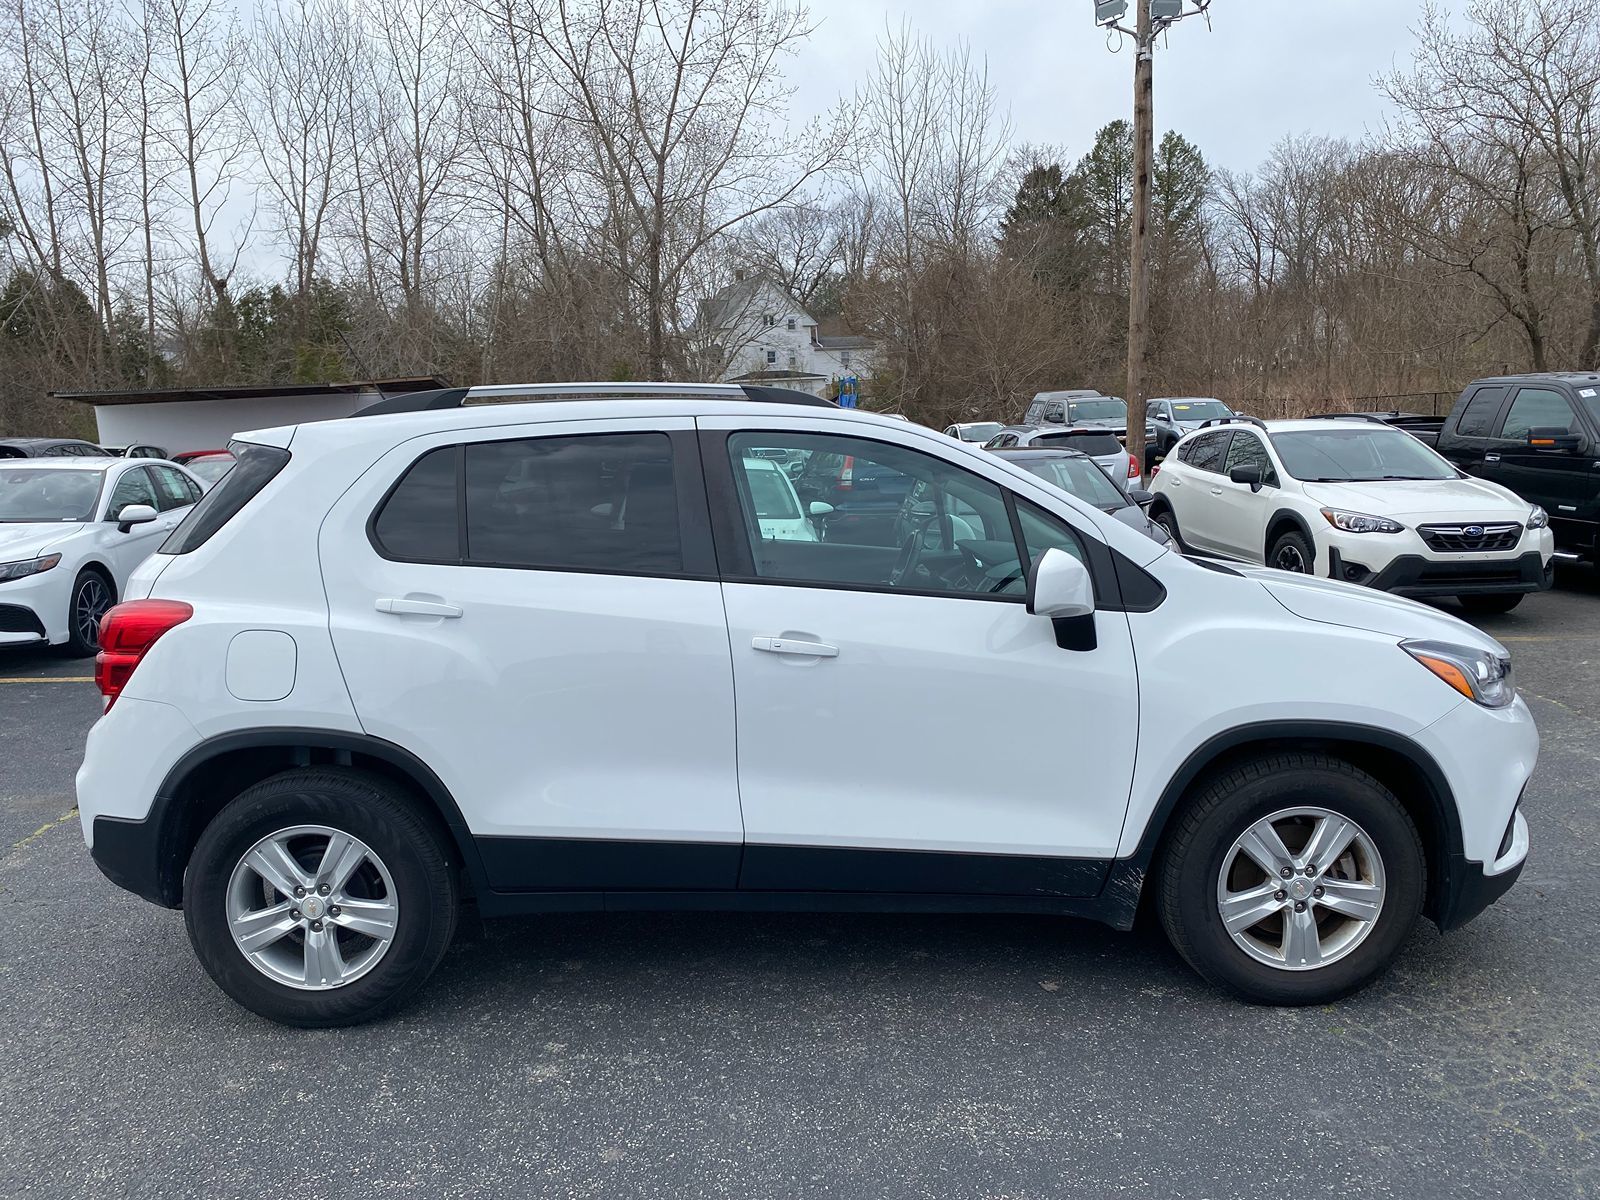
91 597
1501 602
320 897
1292 879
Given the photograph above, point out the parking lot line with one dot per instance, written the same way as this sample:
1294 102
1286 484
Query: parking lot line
50 679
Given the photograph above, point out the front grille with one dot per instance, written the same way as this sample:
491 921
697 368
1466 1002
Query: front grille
16 619
1471 572
1469 536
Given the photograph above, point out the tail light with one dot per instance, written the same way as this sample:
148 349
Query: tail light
1155 470
127 631
847 475
1133 466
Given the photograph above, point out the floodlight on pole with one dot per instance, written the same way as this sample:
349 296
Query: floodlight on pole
1153 17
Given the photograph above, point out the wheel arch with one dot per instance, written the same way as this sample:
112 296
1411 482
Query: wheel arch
211 774
1397 762
1281 522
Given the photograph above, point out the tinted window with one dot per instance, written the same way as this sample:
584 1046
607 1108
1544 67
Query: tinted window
256 466
1247 450
1538 408
596 502
1208 451
173 490
1478 416
133 488
1080 476
1089 443
419 519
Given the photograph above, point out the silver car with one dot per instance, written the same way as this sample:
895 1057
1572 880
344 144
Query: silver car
1102 445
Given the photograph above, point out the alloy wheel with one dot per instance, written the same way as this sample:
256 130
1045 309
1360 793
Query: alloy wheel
1301 888
90 603
1289 558
312 907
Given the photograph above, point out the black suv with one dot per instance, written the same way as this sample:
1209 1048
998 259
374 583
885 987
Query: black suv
1538 435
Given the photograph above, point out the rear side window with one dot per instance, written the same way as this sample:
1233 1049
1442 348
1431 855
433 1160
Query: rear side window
172 489
1479 413
420 522
255 466
1208 451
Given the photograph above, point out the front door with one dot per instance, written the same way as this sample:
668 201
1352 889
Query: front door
1564 482
878 685
533 612
128 550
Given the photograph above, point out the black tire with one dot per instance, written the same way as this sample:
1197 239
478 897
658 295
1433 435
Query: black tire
92 594
1221 810
1292 552
369 808
1496 602
1169 521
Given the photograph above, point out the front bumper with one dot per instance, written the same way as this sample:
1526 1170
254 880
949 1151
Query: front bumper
34 608
1471 887
1420 575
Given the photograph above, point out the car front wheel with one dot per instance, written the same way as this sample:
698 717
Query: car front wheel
1292 879
1292 552
91 597
320 897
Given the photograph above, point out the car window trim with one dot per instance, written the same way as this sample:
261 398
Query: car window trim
695 540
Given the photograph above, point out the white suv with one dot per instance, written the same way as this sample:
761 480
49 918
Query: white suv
1355 499
543 657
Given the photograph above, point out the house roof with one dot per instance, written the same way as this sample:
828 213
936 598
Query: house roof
732 302
388 387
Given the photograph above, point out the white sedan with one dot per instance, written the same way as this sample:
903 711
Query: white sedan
71 532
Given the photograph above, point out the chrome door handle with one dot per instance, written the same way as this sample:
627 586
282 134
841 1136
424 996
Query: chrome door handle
774 645
417 608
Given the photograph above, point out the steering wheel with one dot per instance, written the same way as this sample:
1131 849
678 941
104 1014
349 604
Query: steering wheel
910 557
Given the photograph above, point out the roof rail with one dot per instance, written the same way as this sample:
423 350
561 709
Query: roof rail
1368 417
1228 420
510 392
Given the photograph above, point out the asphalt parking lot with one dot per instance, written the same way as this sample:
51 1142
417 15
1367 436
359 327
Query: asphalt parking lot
850 1056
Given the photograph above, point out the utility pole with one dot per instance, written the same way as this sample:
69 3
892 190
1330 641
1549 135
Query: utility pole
1152 17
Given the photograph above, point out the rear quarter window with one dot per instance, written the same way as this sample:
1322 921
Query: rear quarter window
254 467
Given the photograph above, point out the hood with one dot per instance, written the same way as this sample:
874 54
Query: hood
33 538
1411 500
1335 603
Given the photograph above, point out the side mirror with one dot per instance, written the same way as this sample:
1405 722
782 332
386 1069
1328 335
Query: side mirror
1247 473
1554 439
1141 497
134 514
819 508
1059 586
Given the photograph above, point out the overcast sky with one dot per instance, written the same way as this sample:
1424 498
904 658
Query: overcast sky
1266 68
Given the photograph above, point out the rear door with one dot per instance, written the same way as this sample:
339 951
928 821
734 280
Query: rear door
1199 488
534 612
873 681
1471 443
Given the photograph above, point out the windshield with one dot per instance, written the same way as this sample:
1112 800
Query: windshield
47 495
1199 410
1080 476
980 432
770 492
1109 409
1344 455
211 469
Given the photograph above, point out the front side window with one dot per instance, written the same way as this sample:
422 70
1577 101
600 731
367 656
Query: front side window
133 488
1362 453
1247 450
1538 408
887 517
1056 412
52 494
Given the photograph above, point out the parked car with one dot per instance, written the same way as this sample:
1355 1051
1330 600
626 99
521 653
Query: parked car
977 432
540 655
1349 498
1170 418
1051 407
1102 445
778 512
71 532
208 466
50 448
864 497
1539 436
1075 472
135 451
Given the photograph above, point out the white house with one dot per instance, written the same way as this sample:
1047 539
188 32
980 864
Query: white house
762 334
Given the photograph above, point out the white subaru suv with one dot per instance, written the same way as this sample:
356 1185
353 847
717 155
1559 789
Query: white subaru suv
1352 498
541 657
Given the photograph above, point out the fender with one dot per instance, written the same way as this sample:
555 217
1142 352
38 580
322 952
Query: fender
1287 516
1440 823
167 824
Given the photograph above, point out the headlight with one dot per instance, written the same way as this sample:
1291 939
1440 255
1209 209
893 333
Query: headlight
1538 518
28 566
1479 675
1360 523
